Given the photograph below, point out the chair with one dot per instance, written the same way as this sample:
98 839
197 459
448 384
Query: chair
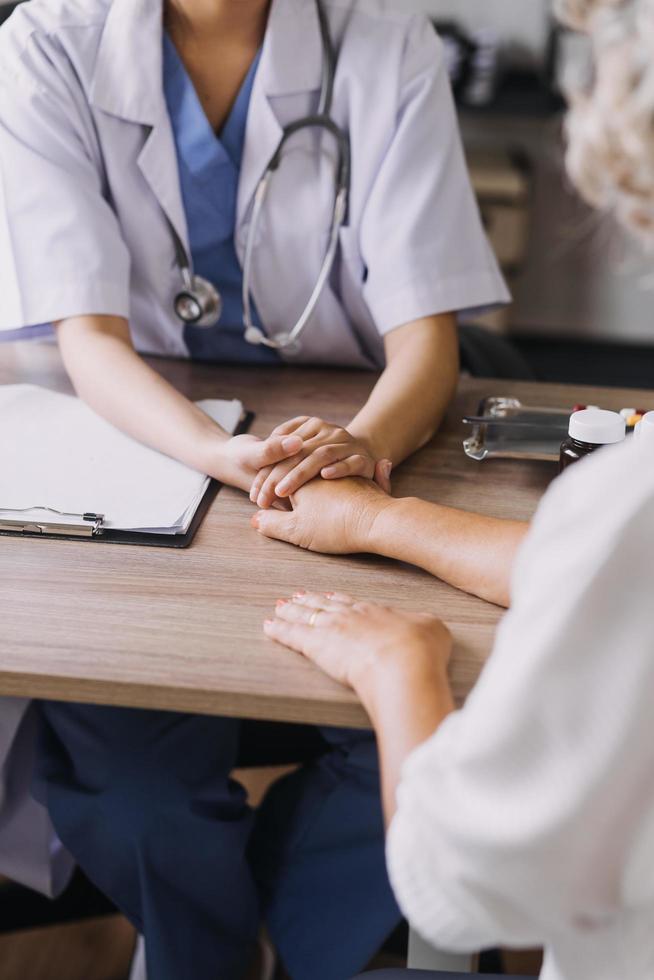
487 355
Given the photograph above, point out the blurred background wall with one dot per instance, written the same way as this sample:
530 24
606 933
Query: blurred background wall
523 23
580 276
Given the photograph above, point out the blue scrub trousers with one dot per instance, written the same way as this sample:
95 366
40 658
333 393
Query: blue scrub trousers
145 803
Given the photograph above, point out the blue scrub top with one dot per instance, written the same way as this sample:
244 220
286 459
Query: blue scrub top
209 168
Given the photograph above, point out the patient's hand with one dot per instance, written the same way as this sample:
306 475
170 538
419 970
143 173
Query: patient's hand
328 450
332 517
361 644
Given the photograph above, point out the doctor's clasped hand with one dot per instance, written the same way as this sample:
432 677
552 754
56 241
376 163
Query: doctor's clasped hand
400 416
329 451
242 457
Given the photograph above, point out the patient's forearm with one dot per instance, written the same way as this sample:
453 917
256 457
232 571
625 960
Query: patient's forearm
409 703
471 552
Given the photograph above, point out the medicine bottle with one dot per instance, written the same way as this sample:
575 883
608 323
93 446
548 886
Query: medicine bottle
590 430
644 431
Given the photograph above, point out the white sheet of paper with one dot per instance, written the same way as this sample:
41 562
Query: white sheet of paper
56 452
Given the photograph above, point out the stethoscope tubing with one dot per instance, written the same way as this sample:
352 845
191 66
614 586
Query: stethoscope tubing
339 217
199 303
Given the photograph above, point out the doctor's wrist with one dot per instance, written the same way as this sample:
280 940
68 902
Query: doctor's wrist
218 463
371 443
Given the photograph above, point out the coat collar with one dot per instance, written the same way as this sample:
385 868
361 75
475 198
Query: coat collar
128 84
292 56
127 81
291 64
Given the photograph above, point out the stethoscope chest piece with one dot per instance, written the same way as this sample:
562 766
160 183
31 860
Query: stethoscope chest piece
199 303
281 341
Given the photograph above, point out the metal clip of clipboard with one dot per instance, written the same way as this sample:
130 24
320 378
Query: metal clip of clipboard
92 526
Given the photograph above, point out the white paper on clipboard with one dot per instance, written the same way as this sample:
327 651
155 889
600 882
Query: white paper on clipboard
55 452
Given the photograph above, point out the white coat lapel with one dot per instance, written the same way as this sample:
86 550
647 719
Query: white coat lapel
291 64
158 164
128 83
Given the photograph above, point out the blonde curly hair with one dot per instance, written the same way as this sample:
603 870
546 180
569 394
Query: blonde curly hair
610 126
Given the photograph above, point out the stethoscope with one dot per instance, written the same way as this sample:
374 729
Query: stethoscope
199 303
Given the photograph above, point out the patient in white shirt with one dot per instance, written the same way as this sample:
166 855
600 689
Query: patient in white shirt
527 817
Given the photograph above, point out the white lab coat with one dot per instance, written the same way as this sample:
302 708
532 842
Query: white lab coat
88 175
88 172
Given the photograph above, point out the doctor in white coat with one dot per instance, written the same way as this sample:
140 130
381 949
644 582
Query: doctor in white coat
133 138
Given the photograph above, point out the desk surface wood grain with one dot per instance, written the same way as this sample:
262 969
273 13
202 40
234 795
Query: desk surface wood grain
181 630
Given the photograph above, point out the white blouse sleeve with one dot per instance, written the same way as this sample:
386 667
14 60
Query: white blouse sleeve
421 233
515 819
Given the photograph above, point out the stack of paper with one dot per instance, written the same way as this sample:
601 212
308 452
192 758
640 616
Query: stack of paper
57 455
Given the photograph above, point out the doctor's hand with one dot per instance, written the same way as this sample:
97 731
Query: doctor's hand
335 518
329 451
241 458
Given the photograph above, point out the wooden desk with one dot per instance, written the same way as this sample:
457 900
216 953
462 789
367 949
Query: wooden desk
154 628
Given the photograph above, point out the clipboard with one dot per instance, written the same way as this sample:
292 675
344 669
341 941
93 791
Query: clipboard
92 527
